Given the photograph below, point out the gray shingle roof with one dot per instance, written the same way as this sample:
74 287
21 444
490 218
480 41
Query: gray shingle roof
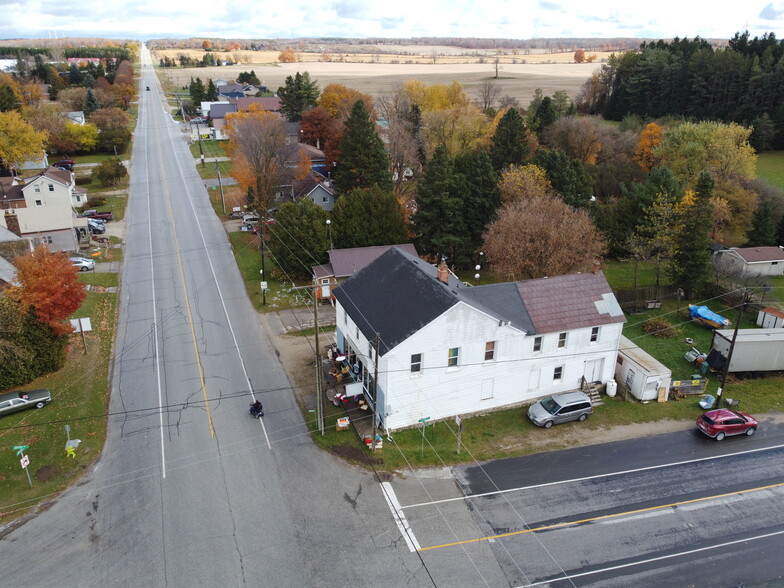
397 294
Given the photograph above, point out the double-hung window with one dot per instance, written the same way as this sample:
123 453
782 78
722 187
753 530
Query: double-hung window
452 358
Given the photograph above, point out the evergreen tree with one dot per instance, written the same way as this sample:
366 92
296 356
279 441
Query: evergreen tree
74 75
509 145
690 266
362 218
298 95
438 221
197 92
482 197
414 117
763 226
90 102
363 160
8 100
567 175
545 115
780 231
212 92
299 238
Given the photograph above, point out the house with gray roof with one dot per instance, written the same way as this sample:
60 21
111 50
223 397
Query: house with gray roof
751 261
446 348
344 263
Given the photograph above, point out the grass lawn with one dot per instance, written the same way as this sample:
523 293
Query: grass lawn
210 169
211 148
79 399
620 274
770 167
280 295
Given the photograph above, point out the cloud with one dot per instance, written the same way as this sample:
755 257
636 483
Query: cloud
772 12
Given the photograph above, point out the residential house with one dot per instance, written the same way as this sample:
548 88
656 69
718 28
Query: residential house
314 186
344 263
442 348
751 261
42 208
218 114
77 116
231 91
38 163
268 103
204 107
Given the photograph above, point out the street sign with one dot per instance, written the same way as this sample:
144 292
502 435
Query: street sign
25 460
20 449
264 285
424 420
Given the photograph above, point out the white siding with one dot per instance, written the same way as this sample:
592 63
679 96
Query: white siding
439 392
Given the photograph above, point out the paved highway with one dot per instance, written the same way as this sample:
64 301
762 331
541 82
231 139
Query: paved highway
190 490
672 510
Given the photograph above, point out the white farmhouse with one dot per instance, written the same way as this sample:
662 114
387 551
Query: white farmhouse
448 349
42 208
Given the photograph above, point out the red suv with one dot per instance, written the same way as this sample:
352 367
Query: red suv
723 422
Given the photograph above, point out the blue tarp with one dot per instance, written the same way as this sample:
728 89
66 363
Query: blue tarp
703 312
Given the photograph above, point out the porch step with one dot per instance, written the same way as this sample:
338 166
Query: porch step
593 391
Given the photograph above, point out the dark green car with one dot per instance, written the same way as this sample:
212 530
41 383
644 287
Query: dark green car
15 401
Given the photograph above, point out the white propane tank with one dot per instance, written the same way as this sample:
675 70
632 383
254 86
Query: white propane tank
612 388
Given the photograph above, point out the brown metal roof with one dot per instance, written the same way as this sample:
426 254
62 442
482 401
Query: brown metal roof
347 262
773 311
758 254
563 303
270 103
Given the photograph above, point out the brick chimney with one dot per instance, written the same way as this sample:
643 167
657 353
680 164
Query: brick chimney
596 266
442 272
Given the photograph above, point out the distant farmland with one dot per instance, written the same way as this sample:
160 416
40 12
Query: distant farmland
550 72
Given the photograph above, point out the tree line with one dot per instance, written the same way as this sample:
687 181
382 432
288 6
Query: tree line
742 82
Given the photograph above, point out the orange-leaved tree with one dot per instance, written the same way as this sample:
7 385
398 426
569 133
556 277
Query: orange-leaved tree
257 140
650 138
48 283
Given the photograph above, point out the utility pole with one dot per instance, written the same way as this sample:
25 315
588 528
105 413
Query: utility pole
263 274
375 392
319 370
726 369
201 150
220 185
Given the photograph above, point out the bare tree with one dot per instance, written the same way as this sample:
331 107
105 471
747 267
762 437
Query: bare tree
488 94
257 142
542 236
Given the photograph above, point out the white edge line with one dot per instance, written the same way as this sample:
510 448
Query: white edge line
154 308
655 559
586 478
400 518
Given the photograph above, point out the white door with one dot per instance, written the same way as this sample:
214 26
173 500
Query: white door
325 288
487 389
593 370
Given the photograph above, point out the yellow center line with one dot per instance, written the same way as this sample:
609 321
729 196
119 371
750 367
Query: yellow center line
603 517
187 297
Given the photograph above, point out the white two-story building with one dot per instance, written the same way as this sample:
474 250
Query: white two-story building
447 349
41 208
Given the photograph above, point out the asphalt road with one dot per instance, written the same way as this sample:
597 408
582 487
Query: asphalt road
190 490
671 510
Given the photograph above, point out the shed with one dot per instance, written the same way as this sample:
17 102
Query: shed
770 318
639 373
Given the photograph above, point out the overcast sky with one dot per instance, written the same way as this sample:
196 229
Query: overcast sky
519 19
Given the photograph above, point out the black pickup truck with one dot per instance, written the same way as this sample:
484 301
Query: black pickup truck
105 216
